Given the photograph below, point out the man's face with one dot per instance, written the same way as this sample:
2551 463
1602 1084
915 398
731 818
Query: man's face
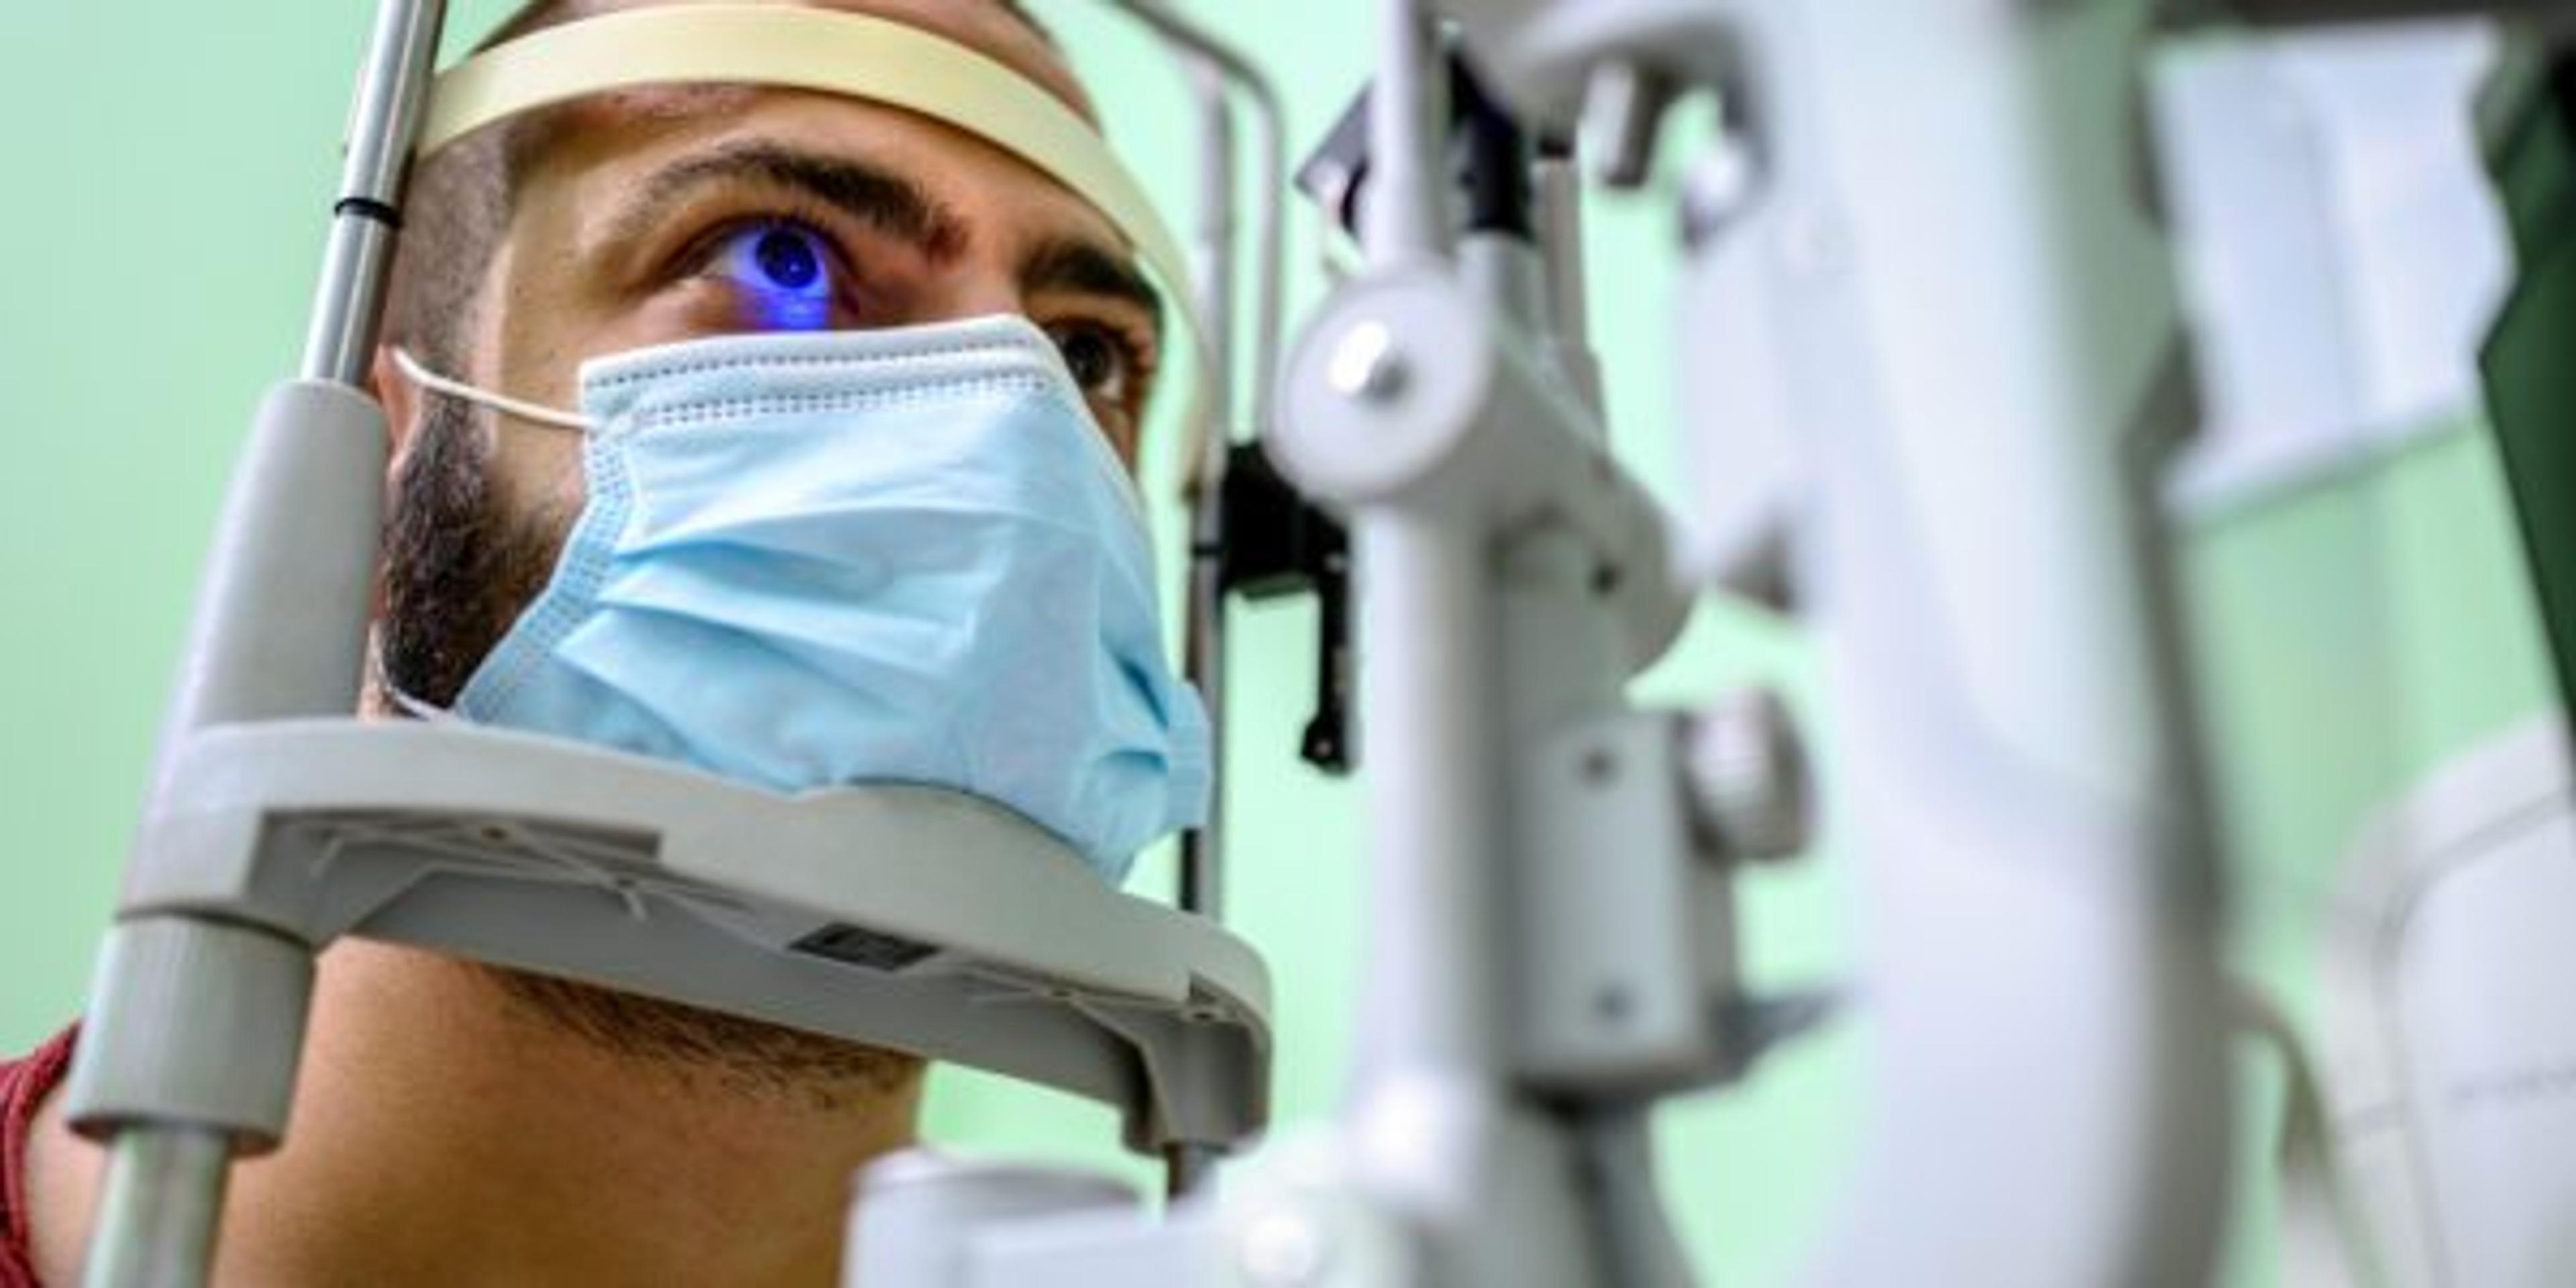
673 214
678 214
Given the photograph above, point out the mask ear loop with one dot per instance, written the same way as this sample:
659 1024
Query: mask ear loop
430 380
421 709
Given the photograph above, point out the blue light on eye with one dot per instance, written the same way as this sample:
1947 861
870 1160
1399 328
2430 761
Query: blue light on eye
787 260
787 275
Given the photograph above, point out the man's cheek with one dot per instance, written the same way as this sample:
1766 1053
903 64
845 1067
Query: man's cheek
535 536
537 474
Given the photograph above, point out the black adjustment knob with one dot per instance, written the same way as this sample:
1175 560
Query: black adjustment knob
1275 545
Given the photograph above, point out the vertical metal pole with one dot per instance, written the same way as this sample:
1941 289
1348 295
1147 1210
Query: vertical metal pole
237 634
161 1209
1212 56
1403 216
1203 851
1426 642
1187 1169
393 89
1639 1248
165 1192
1215 69
1557 184
1202 879
1269 235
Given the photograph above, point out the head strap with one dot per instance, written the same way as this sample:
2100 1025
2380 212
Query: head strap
831 51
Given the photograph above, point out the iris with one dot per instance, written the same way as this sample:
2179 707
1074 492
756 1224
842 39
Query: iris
786 273
788 260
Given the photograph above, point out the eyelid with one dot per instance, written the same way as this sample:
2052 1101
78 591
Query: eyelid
725 254
720 215
701 251
1144 354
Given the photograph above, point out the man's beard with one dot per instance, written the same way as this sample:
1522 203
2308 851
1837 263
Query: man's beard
459 566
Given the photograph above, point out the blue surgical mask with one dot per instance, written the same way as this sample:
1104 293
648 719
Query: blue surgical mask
892 556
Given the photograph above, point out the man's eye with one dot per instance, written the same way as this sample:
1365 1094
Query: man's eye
1101 362
787 269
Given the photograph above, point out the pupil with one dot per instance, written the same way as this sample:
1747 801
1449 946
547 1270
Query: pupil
1088 358
787 259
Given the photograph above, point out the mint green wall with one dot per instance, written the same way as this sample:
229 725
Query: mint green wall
167 165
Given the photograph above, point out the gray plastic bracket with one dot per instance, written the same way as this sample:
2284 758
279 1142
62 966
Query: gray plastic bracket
302 512
906 917
1627 953
195 1023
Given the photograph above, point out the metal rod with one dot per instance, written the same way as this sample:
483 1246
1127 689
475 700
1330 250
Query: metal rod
1270 178
1187 1169
1218 159
158 1216
1215 67
1402 216
162 1201
393 89
1559 192
1426 616
1558 185
1202 876
1639 1248
348 310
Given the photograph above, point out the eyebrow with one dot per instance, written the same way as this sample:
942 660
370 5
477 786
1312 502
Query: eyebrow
1079 266
870 194
896 205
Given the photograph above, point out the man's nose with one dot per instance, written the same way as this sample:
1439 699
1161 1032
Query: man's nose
972 290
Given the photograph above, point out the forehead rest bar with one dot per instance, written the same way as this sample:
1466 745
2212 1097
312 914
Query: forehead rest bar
829 51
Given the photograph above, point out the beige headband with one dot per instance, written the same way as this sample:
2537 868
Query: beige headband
816 49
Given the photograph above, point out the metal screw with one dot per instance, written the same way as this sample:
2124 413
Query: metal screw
1748 776
1612 1004
1367 365
1721 188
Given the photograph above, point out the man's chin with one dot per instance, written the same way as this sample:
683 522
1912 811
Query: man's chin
739 1056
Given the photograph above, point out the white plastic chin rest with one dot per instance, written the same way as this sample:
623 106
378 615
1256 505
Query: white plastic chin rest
913 918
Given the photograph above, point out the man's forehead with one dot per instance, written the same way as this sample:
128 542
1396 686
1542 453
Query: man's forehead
624 131
597 157
996 29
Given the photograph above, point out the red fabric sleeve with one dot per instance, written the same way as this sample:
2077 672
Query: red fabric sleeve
23 1088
